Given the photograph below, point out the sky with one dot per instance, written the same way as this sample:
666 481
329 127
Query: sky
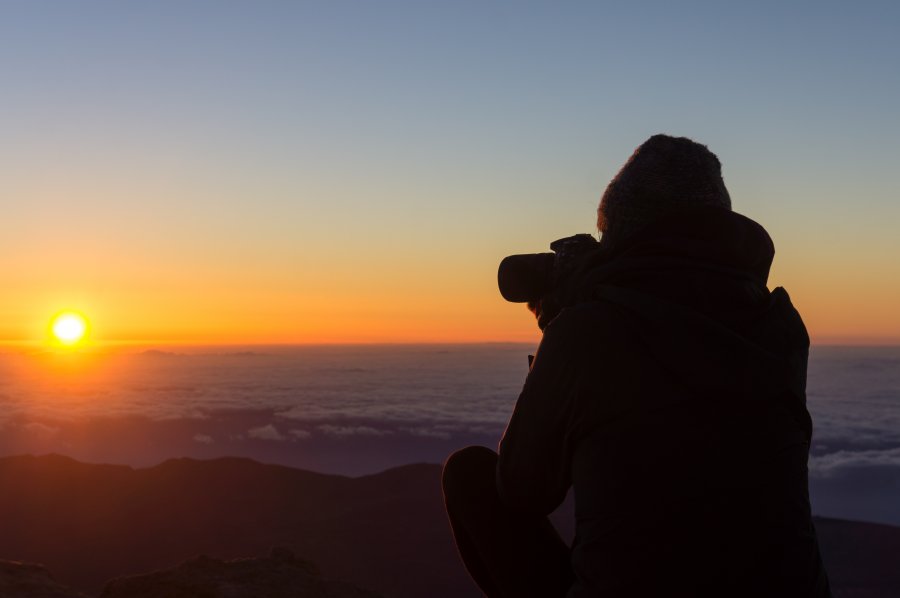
328 172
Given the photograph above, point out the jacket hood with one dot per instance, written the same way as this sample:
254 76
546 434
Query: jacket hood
711 235
710 260
693 288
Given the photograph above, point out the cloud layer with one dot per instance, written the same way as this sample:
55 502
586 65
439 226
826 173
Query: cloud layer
359 410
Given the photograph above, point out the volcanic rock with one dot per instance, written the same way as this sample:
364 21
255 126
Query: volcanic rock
26 580
280 575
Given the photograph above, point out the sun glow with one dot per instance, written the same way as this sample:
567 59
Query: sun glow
69 328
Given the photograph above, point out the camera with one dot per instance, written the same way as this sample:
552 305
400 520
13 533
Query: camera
545 280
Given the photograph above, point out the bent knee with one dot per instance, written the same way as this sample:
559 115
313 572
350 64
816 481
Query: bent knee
468 467
469 459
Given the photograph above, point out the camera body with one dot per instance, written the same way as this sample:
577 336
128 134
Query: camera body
544 280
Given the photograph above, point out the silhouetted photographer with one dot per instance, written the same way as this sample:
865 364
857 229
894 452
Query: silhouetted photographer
668 392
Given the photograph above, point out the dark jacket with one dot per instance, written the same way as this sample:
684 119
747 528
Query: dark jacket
671 397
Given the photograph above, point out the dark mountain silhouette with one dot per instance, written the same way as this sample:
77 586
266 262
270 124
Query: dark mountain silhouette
89 523
386 532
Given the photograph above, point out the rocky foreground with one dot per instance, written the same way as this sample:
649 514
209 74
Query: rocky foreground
89 524
280 575
27 580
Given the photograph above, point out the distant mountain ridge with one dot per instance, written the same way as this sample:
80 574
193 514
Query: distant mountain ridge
386 532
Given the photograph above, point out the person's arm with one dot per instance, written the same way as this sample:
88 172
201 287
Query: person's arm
535 453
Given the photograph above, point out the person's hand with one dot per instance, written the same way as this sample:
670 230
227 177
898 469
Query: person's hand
544 310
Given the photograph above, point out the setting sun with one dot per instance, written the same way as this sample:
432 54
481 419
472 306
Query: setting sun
69 327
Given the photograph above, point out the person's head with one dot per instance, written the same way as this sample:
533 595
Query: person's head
663 175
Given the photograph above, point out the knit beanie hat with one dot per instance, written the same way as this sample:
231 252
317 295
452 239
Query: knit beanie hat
663 175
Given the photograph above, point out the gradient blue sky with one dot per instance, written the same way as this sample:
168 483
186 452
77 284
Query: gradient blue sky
354 171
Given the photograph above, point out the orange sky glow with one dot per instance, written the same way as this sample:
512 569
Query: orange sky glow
185 304
294 175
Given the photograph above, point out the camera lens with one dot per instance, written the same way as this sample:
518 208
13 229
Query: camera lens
525 277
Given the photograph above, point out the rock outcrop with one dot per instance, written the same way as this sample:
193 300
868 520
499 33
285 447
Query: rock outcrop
26 580
280 575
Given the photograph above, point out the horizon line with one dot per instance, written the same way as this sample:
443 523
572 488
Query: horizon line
883 343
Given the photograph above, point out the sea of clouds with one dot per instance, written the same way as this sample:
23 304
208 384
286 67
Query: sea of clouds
350 410
358 410
853 394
